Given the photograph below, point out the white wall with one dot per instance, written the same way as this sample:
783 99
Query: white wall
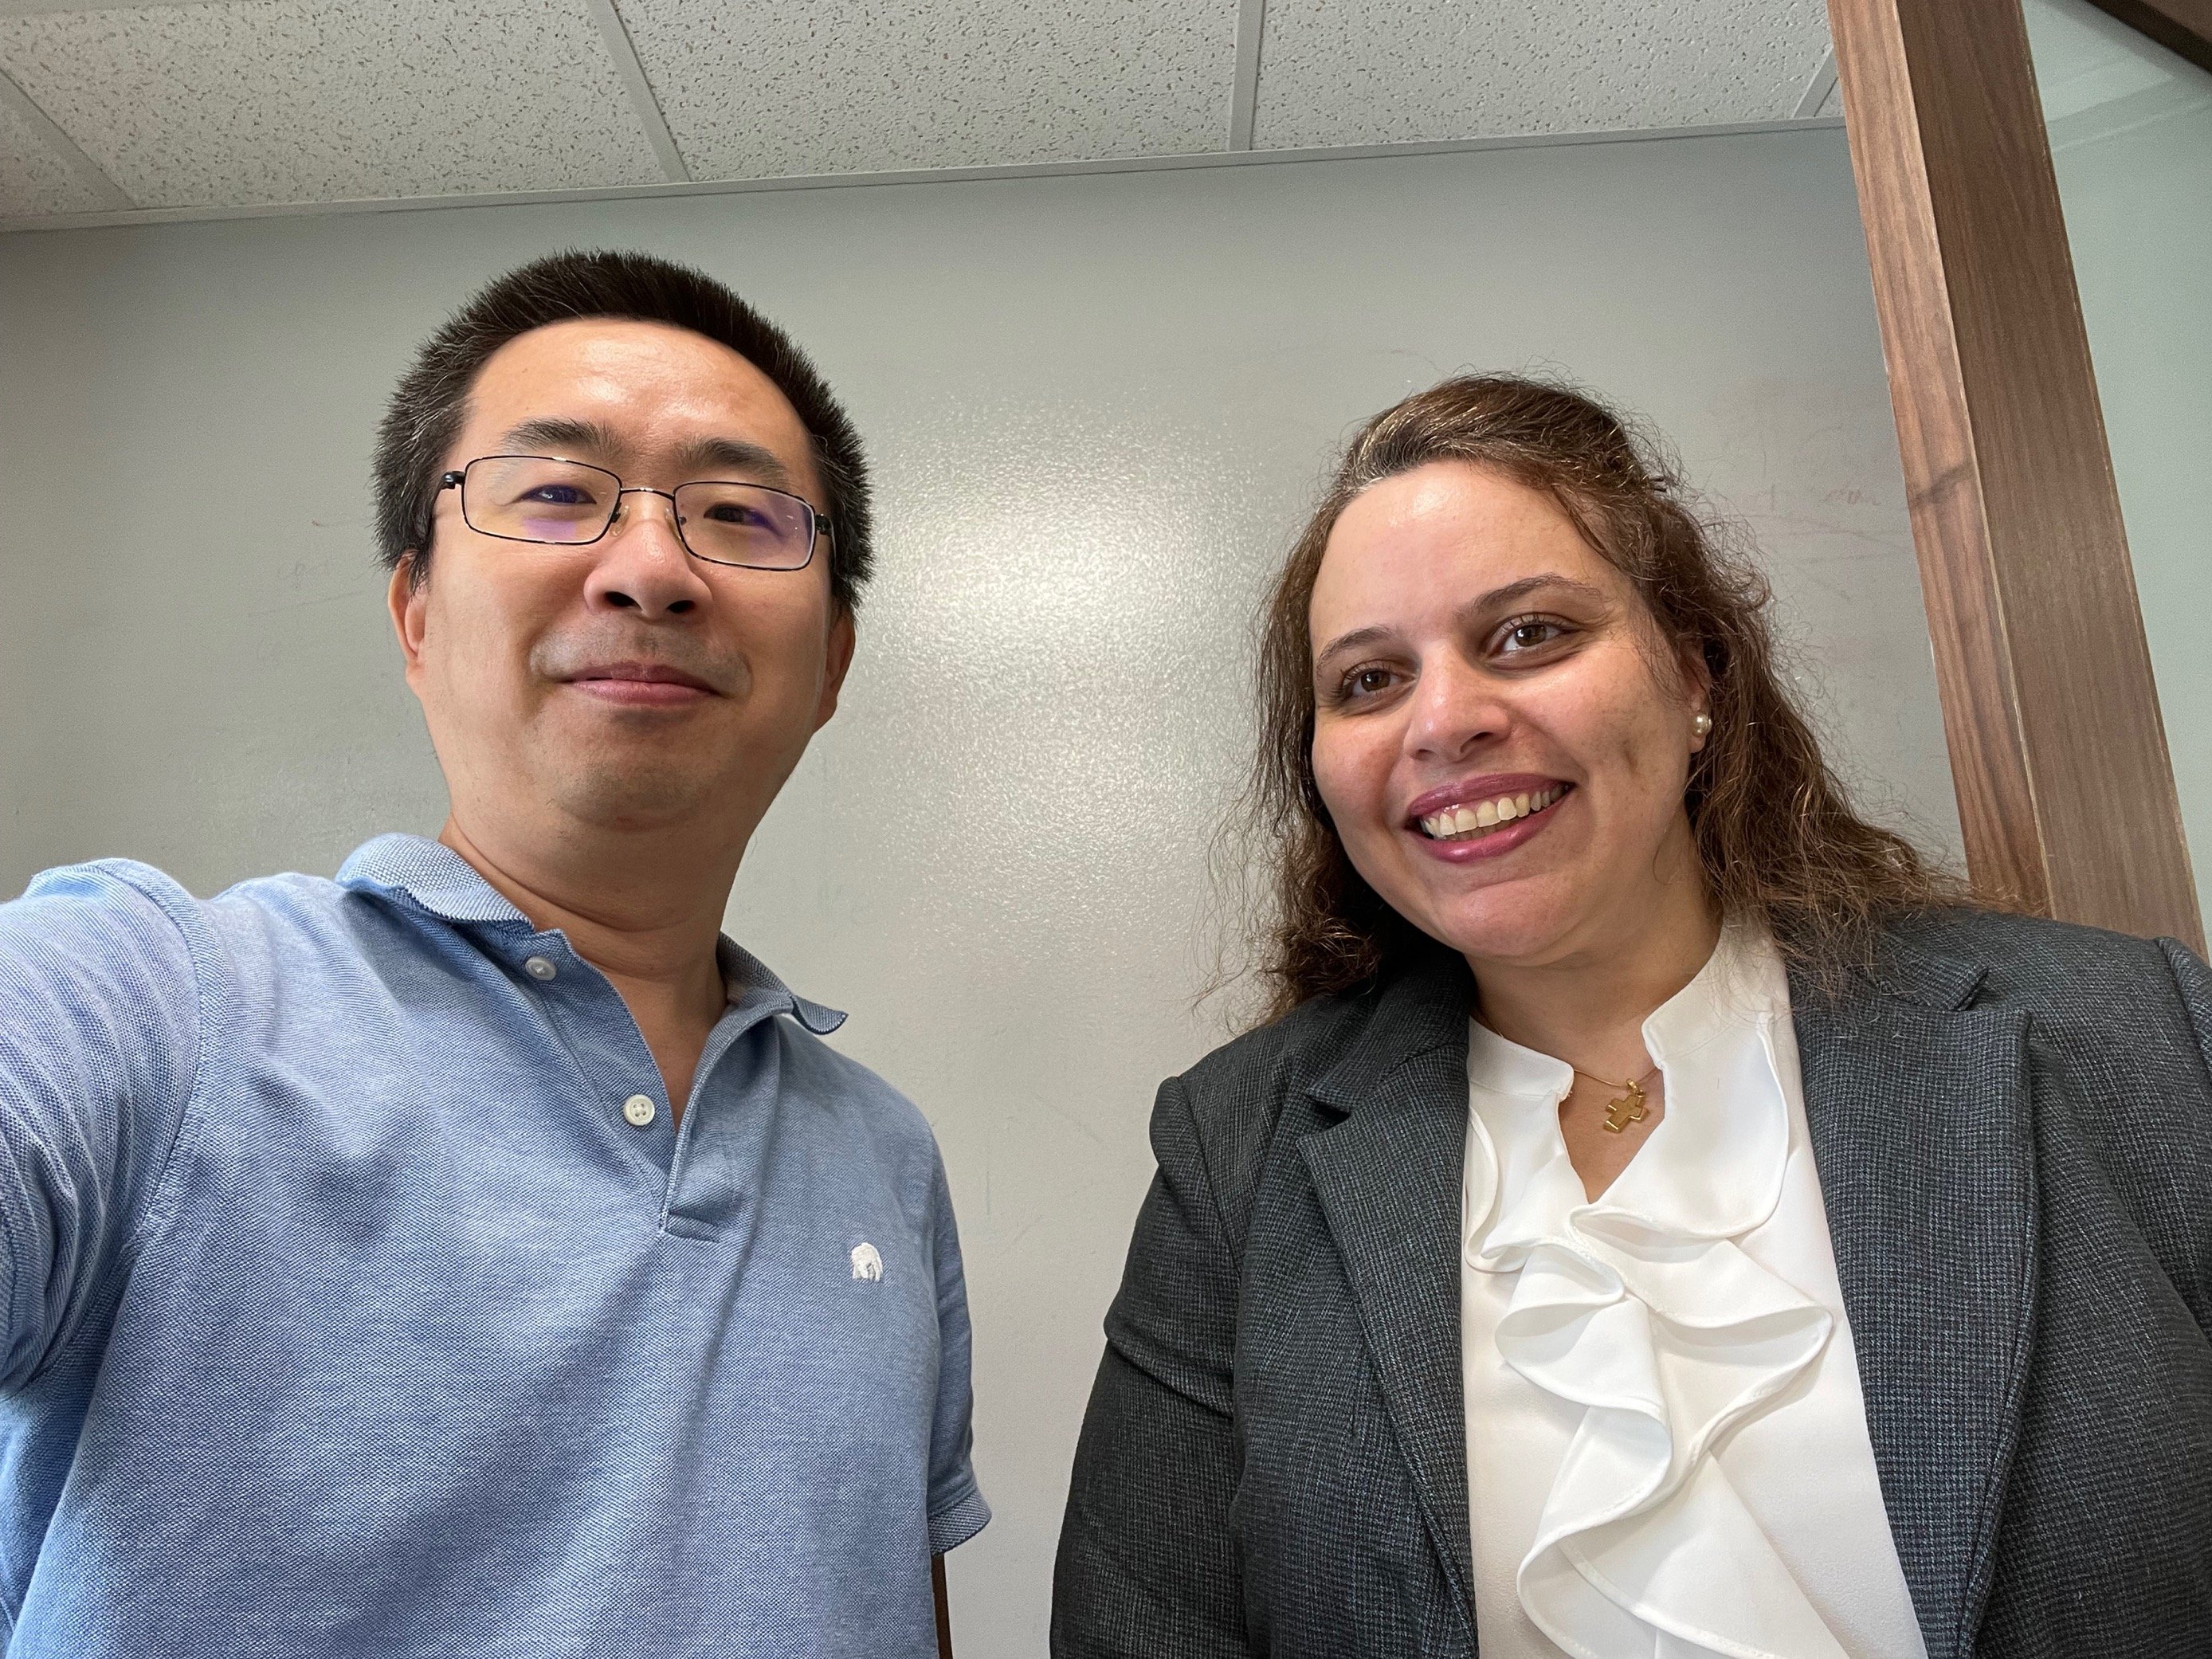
1099 408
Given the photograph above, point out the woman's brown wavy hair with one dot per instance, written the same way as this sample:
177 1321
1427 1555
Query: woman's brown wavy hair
1776 838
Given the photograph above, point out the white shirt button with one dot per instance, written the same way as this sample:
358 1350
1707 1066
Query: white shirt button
639 1110
540 969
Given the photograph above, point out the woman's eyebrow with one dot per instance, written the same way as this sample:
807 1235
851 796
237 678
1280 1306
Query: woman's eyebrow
1496 599
1353 640
1513 592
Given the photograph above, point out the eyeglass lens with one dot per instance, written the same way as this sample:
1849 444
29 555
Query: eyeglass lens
537 498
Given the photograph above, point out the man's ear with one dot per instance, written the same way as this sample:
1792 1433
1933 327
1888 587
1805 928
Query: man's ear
407 595
842 637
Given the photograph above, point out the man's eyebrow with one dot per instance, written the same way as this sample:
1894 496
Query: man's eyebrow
1497 598
705 456
557 433
562 435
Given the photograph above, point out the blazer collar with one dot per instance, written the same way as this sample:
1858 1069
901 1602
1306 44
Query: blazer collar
1426 1004
1922 1125
1423 1006
1908 973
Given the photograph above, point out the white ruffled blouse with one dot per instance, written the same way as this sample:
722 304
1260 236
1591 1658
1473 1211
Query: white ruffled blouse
1667 1448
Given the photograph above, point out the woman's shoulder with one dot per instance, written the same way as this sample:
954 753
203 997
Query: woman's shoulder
2054 966
2138 1008
2118 1035
1272 1059
1274 1079
1232 1108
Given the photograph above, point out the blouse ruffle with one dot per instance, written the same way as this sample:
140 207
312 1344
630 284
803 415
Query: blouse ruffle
1641 1308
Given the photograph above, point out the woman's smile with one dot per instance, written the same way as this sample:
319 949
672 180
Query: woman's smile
1484 818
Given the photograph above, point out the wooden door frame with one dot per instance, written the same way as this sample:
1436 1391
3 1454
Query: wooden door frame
2058 755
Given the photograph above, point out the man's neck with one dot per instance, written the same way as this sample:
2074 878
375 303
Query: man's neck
648 917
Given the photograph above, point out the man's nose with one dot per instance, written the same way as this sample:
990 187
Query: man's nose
642 564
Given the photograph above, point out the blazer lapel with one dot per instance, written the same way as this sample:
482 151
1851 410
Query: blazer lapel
1388 1176
1920 1115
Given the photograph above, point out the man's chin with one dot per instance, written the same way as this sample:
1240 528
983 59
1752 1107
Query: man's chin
634 799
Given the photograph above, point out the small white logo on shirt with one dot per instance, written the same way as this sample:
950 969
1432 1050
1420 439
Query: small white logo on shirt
867 1263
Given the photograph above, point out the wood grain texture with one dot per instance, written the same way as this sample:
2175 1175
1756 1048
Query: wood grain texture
2059 754
939 1594
2179 26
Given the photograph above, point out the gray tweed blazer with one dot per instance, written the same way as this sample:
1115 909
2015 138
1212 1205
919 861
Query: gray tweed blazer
2013 1123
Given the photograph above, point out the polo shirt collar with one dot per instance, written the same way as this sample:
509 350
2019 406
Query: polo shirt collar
431 877
747 978
428 875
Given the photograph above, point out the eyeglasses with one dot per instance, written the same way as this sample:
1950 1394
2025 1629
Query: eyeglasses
542 498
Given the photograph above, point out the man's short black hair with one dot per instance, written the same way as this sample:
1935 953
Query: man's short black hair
431 401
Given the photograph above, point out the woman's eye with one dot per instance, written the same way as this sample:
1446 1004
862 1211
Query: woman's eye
1365 682
1530 633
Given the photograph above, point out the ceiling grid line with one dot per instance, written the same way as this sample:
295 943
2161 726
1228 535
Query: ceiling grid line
1177 163
1818 88
1244 98
87 172
623 51
57 7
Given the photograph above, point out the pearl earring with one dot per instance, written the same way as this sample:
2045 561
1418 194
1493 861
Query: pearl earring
1701 723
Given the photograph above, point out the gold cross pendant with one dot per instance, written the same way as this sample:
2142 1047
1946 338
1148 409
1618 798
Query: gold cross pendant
1629 1109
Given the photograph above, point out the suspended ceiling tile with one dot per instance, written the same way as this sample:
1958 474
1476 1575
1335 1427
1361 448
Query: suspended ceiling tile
285 100
1393 72
764 88
34 180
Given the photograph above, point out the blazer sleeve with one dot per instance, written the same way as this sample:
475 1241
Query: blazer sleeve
1145 1570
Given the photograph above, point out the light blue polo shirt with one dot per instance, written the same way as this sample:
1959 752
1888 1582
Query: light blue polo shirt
357 1304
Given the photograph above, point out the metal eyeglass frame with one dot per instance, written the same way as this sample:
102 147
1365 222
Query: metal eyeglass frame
817 521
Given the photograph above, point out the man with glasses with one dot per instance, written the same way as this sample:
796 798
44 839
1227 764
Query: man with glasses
479 1254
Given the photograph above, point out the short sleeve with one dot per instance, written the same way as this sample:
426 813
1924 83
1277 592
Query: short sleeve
99 1027
957 1510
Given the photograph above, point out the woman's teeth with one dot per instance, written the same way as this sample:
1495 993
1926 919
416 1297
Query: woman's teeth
1475 820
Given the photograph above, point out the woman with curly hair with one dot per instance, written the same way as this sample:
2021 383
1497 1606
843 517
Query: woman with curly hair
1658 1216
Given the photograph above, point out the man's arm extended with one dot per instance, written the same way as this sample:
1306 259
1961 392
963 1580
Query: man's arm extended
99 1039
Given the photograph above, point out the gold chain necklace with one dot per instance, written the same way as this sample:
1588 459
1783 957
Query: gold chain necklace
1629 1108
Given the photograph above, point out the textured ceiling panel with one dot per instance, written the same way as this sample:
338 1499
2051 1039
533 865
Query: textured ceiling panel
282 100
33 178
760 88
1393 72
